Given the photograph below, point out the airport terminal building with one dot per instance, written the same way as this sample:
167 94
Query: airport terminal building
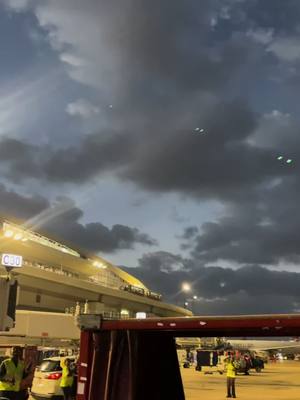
54 277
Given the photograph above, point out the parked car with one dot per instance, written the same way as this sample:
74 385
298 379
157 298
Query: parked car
47 377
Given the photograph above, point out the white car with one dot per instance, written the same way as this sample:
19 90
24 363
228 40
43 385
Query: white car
47 377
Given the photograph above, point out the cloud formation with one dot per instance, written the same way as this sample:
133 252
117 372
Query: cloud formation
62 219
250 289
166 70
18 206
82 108
156 72
95 237
161 89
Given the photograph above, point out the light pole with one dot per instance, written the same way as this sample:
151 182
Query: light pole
186 288
195 298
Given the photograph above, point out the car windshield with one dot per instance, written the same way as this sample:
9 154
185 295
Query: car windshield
50 365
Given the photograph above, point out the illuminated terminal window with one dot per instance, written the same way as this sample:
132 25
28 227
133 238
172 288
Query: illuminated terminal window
48 268
124 313
107 278
104 277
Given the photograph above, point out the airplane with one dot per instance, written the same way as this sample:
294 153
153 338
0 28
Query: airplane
265 346
260 347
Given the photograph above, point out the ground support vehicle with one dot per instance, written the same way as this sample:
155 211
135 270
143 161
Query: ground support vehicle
137 359
258 364
246 363
209 362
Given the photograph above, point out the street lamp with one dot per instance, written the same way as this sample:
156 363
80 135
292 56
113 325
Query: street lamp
195 298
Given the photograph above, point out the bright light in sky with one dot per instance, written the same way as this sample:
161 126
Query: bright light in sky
288 160
201 130
186 287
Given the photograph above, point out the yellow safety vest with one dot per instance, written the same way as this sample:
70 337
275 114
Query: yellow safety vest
230 367
66 380
13 377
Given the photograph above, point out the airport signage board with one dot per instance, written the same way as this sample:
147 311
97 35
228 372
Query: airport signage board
12 260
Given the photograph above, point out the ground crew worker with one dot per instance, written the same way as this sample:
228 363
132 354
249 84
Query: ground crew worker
26 382
67 379
11 374
231 375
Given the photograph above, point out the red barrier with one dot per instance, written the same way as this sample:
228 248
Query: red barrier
245 325
137 359
84 364
133 365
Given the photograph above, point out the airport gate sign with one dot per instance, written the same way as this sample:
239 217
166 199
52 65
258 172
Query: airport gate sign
12 260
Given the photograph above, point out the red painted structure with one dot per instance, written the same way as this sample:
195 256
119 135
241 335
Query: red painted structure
137 359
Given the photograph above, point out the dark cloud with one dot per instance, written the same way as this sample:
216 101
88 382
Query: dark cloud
161 271
261 231
95 236
171 45
96 155
20 160
241 303
283 18
214 163
15 205
172 73
219 163
250 289
161 261
173 68
75 164
63 221
190 232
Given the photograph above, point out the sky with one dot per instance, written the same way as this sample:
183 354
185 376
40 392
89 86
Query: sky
163 136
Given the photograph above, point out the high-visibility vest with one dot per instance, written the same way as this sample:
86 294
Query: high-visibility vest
66 380
230 367
14 374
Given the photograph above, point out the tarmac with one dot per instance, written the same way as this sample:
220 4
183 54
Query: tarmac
278 381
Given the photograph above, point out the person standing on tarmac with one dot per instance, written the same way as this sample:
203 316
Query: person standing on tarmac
26 382
231 375
67 379
11 374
